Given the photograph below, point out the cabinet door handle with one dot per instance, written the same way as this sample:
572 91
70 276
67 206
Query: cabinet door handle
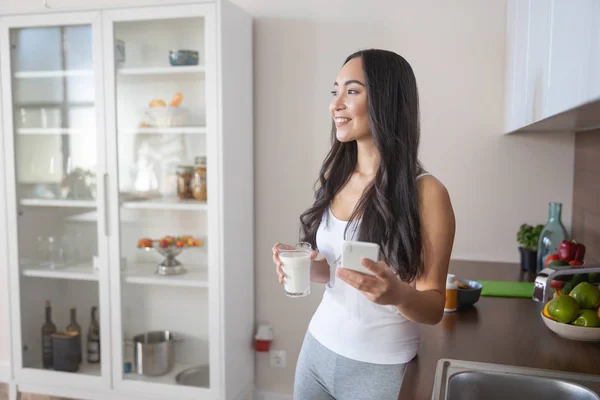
106 205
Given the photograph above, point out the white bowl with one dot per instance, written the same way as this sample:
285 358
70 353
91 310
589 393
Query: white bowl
573 332
165 117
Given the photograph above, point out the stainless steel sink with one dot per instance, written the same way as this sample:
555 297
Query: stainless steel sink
466 380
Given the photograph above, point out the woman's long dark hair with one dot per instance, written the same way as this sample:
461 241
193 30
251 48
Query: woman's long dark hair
389 208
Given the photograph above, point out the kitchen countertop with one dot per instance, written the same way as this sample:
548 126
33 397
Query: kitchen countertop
496 330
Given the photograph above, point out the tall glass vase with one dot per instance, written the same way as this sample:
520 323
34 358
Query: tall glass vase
553 233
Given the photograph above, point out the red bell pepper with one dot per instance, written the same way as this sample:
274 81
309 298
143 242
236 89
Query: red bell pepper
580 251
566 250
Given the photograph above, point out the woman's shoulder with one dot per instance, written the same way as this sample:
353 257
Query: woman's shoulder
435 205
430 187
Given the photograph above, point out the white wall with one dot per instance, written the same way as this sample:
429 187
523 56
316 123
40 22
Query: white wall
4 348
457 51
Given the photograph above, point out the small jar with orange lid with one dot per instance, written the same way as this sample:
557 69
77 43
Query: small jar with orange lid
451 294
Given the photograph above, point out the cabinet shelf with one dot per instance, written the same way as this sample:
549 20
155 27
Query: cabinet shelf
79 272
59 203
166 203
186 69
164 379
143 274
84 369
53 74
190 130
52 131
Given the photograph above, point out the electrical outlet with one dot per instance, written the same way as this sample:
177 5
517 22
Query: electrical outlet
277 358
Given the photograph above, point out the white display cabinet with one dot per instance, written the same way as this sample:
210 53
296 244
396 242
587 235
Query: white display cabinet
91 169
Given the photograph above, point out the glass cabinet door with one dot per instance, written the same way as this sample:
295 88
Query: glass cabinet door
157 97
54 154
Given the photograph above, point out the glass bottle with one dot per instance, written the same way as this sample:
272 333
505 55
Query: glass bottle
74 327
185 174
553 233
47 330
199 182
93 339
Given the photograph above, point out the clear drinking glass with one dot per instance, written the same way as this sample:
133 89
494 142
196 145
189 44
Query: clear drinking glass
296 267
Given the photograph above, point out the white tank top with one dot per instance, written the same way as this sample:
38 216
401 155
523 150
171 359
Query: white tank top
347 322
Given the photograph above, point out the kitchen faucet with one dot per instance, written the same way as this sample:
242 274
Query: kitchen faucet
545 276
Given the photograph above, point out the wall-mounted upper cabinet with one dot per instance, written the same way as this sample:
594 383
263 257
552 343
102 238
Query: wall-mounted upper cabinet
8 7
570 50
538 50
516 64
552 59
595 53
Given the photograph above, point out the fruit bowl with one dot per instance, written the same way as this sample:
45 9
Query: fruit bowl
572 332
169 247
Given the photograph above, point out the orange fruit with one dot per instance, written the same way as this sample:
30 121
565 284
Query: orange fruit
145 242
545 312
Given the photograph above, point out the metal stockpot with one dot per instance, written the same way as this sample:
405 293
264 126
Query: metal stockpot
154 352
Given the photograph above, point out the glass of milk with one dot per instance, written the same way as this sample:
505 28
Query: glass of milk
296 267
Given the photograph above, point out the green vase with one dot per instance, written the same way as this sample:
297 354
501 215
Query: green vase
553 233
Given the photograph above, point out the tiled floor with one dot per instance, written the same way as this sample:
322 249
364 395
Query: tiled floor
26 396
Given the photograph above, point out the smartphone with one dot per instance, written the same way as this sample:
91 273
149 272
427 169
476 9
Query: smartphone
353 252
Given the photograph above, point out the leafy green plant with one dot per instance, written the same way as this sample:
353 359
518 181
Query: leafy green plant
528 236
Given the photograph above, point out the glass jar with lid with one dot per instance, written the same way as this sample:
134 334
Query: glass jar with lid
185 174
199 181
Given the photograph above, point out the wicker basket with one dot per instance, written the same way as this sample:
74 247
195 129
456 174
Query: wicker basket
165 117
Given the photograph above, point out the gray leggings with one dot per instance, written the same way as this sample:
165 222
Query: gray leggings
322 374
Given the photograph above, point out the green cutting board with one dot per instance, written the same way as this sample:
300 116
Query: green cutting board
506 289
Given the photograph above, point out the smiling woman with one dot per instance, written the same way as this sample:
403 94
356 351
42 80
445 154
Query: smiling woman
372 188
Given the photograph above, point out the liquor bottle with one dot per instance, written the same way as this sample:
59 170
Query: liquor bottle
93 339
74 327
47 330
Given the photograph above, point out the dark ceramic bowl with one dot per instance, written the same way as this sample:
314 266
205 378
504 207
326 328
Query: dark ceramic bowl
183 57
468 297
